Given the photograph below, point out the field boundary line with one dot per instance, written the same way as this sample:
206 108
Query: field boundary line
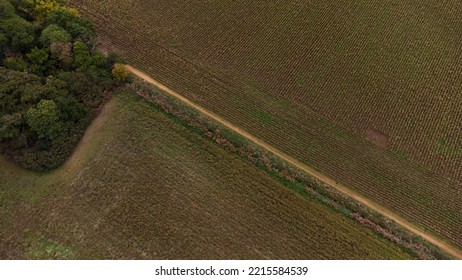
305 168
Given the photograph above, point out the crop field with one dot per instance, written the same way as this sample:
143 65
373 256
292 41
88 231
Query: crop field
143 185
367 92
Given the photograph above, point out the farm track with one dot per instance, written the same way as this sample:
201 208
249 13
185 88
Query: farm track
319 176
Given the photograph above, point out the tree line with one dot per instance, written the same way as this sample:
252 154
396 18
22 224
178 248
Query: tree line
52 80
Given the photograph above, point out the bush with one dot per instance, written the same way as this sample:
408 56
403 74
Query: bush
120 72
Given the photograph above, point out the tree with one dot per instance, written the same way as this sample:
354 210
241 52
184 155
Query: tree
55 87
113 58
15 63
62 52
19 91
54 34
17 32
23 8
37 59
42 8
99 65
45 120
3 45
10 125
82 58
71 109
78 27
98 60
6 10
37 56
120 72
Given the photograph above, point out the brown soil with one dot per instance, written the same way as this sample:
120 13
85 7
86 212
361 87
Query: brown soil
378 137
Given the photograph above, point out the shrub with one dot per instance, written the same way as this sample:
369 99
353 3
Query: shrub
120 72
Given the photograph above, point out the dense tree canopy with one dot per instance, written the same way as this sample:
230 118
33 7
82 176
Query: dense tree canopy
54 34
79 28
6 9
51 80
45 120
42 8
18 34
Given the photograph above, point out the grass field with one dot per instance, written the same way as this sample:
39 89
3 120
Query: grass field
367 92
142 185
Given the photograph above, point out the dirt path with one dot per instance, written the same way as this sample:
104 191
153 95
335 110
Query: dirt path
343 189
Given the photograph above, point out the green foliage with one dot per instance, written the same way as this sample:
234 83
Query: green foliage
75 94
3 43
98 60
82 56
24 9
54 34
6 10
99 65
120 72
78 27
447 149
19 91
38 59
113 58
18 33
9 125
63 53
71 109
263 116
38 56
42 248
42 8
46 121
50 85
15 63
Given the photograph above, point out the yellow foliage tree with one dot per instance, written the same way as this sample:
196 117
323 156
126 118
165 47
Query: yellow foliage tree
74 12
120 72
41 8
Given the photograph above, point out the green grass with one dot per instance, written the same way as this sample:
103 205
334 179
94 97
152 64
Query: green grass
146 186
40 248
263 116
447 149
402 155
